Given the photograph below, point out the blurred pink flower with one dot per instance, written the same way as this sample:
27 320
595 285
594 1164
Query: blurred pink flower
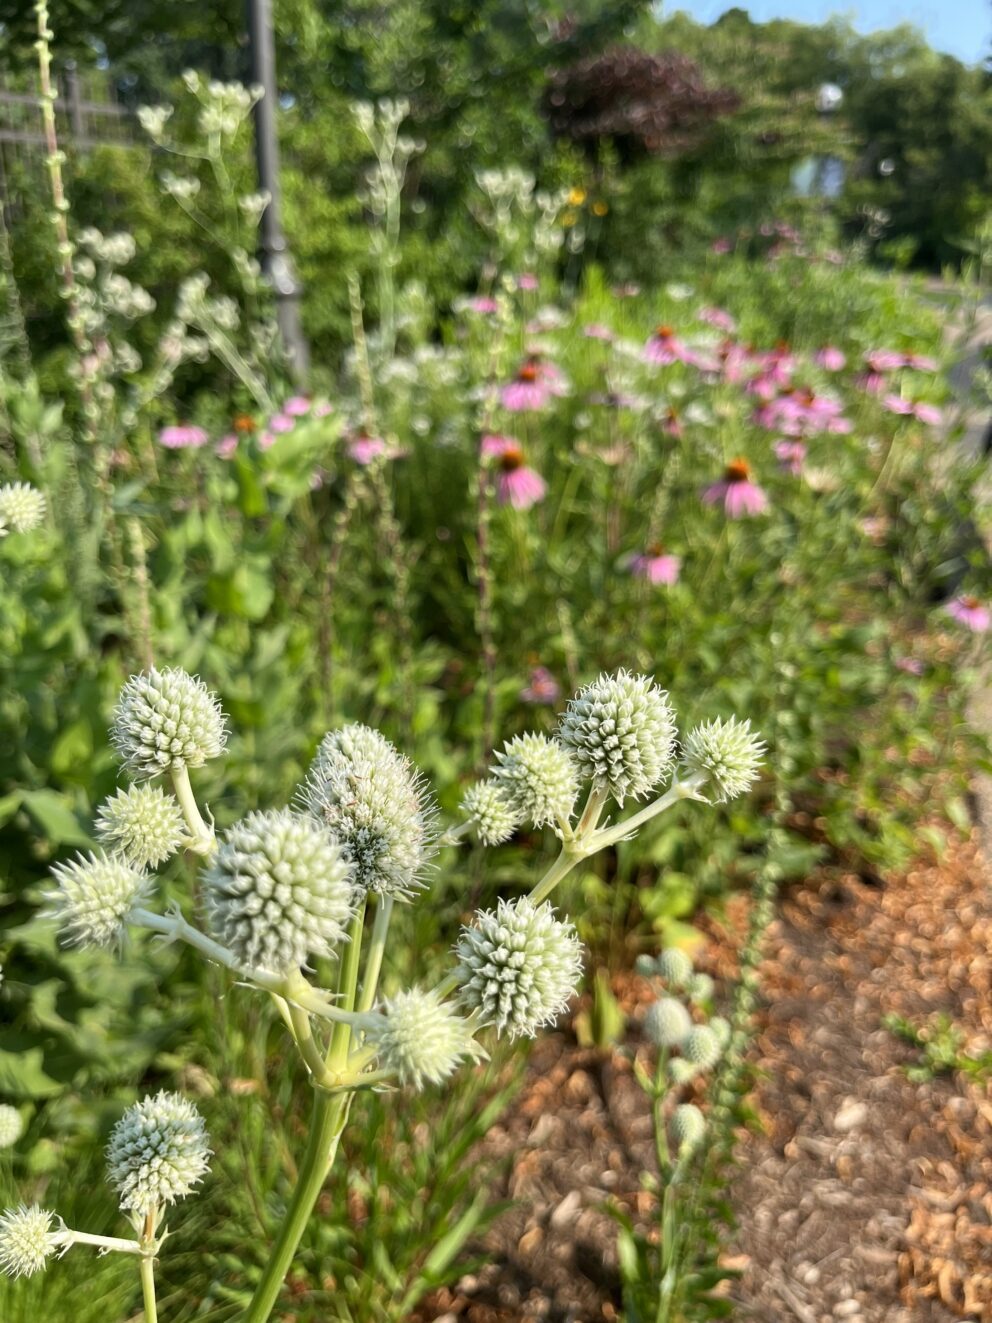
830 358
532 387
885 360
323 409
543 687
281 422
911 665
482 304
183 436
921 362
226 446
928 413
718 317
296 406
364 449
872 382
896 404
595 331
527 281
739 495
664 348
970 611
266 439
790 455
656 565
720 246
517 485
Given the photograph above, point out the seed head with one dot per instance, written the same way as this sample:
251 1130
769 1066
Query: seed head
277 891
518 966
11 1125
22 507
621 731
374 803
688 1128
158 1151
701 1047
142 823
94 897
667 1023
423 1040
675 967
728 752
491 812
538 777
26 1240
166 719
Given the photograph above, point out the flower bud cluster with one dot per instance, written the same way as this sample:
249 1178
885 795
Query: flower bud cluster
158 1151
142 823
22 508
539 779
166 719
93 898
422 1040
489 809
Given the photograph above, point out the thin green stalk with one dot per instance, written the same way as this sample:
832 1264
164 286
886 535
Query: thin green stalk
202 838
561 867
147 1267
686 789
377 947
337 1055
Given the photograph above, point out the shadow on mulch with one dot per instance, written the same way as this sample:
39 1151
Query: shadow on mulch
865 1197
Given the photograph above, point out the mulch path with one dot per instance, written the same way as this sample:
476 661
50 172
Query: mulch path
863 1196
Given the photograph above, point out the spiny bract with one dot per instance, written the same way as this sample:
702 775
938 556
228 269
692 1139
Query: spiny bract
277 891
374 803
166 719
142 823
538 777
518 966
621 731
492 813
422 1039
158 1151
728 753
94 898
26 1240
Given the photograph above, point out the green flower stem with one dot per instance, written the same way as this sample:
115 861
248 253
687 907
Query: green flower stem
377 947
454 835
114 1243
201 837
687 789
326 1124
337 1055
147 1267
561 867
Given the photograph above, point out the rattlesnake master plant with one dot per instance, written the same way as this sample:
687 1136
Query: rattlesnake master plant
284 887
22 508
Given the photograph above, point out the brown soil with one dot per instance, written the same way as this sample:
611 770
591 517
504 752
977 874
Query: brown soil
862 1197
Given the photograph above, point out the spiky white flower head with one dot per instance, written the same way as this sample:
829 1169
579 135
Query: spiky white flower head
375 804
721 1028
701 1047
675 967
493 815
728 752
518 966
667 1023
166 719
688 1128
278 890
26 1240
142 823
538 777
22 507
700 989
94 897
158 1151
423 1040
681 1071
621 731
11 1125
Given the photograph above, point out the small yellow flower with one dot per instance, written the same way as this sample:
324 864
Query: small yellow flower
599 208
568 219
576 197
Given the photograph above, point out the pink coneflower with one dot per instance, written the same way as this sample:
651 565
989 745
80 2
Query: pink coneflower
790 455
672 425
543 687
363 449
183 436
267 439
921 362
733 360
928 413
527 281
969 611
482 304
885 360
664 348
718 317
656 565
596 331
871 382
911 665
281 423
740 496
226 446
296 406
896 404
830 358
517 485
720 246
532 387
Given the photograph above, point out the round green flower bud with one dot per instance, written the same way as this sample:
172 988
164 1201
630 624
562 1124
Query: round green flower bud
26 1240
700 989
22 508
94 898
701 1047
491 812
518 967
158 1151
166 719
675 967
621 731
142 823
374 803
688 1128
728 753
423 1040
11 1125
667 1023
538 778
278 890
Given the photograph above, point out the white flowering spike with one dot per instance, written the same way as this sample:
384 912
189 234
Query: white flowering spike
491 812
277 891
94 897
518 966
701 1047
26 1240
700 989
22 508
621 731
667 1023
158 1151
142 823
11 1125
375 805
422 1040
688 1128
675 967
166 719
729 753
538 777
